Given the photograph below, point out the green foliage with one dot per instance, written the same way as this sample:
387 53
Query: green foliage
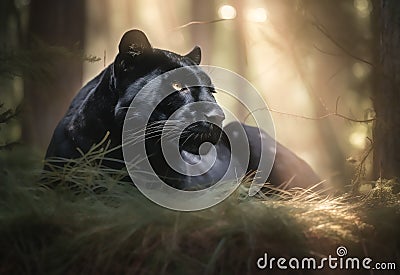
5 117
38 61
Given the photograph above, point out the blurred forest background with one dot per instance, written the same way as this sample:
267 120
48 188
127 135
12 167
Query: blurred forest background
308 58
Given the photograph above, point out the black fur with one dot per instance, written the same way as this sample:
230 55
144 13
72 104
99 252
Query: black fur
102 104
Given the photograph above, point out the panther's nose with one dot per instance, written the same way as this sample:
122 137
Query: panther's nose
215 116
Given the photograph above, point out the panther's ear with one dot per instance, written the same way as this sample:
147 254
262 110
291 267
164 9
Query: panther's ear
134 41
195 55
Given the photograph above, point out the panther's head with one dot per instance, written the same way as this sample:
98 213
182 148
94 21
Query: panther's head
184 97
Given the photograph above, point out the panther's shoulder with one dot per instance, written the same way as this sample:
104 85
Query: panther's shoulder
88 90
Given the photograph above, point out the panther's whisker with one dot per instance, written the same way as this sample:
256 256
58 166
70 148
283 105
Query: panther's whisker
188 137
124 107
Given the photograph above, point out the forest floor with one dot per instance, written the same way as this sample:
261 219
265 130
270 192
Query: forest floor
100 225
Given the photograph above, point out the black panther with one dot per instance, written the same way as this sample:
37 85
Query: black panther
101 106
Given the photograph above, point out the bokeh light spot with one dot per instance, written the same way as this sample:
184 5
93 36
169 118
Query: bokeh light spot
227 12
359 70
363 7
357 139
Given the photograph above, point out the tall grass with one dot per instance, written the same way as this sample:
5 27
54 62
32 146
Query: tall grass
92 222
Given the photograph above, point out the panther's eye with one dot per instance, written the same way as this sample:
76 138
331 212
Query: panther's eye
177 86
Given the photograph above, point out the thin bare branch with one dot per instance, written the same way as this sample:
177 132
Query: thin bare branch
200 23
360 169
313 118
337 44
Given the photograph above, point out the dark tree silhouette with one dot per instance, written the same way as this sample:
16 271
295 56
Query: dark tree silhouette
55 23
386 95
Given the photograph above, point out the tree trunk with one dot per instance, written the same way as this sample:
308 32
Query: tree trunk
386 95
56 23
